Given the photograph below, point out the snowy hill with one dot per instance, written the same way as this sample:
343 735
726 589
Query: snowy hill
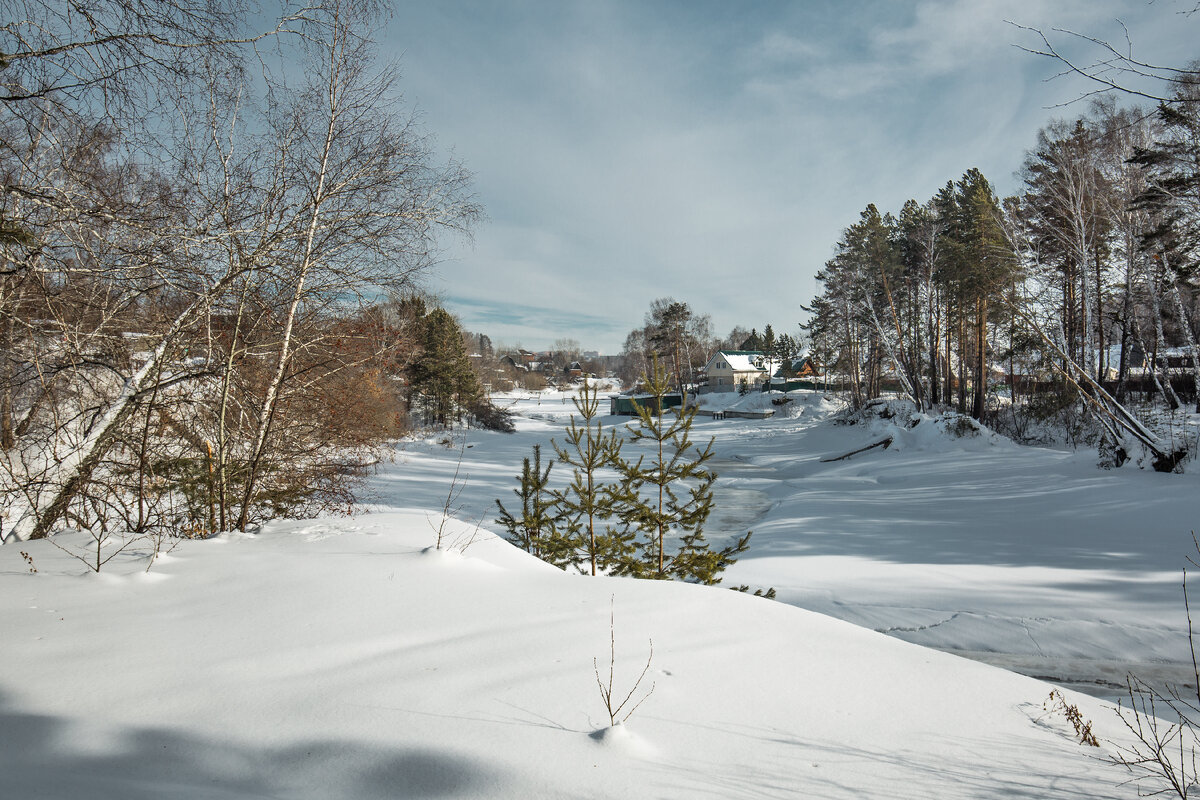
345 658
1025 557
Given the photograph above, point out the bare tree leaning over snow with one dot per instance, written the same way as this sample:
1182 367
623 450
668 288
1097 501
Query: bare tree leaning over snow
282 213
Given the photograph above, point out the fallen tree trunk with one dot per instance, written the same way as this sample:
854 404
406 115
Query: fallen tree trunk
1115 414
884 443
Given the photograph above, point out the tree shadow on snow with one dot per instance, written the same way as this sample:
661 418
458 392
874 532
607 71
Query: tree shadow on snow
41 757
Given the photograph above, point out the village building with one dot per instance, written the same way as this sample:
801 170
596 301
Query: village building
623 404
728 369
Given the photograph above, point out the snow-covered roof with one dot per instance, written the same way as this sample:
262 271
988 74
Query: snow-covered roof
745 360
742 363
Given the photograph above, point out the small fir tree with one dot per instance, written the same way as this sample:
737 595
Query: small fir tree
588 505
536 529
677 496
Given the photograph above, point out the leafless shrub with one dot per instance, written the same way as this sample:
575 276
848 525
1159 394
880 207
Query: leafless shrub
450 506
93 555
607 693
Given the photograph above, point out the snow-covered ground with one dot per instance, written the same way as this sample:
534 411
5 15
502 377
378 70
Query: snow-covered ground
1029 558
342 658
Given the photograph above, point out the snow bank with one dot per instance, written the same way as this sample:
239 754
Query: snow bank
341 658
783 404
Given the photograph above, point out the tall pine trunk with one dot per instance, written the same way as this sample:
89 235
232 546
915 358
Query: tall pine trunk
981 370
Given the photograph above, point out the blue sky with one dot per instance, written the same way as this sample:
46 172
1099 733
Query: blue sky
713 151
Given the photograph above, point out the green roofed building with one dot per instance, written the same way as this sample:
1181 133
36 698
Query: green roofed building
622 404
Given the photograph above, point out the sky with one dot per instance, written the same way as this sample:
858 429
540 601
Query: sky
713 151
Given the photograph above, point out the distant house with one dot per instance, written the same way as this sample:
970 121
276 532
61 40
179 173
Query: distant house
573 371
528 361
796 373
801 367
1135 361
727 369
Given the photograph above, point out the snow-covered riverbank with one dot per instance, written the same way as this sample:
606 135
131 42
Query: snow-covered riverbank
1029 558
343 658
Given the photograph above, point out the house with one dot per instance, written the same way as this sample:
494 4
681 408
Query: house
800 367
727 369
1175 359
801 372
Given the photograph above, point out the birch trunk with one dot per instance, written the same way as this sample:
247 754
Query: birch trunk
307 259
73 472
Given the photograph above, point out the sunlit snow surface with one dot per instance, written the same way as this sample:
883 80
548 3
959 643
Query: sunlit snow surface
343 658
1030 558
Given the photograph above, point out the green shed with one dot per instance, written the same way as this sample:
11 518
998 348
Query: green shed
622 404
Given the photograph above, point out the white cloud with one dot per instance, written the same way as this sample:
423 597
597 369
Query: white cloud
627 151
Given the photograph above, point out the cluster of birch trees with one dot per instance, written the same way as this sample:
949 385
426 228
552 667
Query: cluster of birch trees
674 333
1080 290
198 219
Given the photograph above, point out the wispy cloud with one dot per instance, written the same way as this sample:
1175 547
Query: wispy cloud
712 151
526 325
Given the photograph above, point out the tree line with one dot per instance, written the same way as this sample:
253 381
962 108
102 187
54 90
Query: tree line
201 223
1076 293
682 340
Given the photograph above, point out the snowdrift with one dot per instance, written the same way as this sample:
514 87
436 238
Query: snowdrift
344 658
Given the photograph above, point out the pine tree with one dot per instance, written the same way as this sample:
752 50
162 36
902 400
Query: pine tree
536 530
768 340
441 378
984 262
752 342
587 504
785 350
672 517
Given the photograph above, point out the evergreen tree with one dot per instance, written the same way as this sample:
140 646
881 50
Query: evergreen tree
785 350
441 379
588 504
984 263
669 332
679 487
536 529
752 342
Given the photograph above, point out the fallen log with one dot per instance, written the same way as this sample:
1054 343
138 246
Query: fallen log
884 443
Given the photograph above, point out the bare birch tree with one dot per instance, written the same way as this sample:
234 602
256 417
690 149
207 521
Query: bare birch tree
225 229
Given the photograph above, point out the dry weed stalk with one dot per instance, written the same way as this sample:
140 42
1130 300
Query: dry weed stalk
1083 727
606 689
